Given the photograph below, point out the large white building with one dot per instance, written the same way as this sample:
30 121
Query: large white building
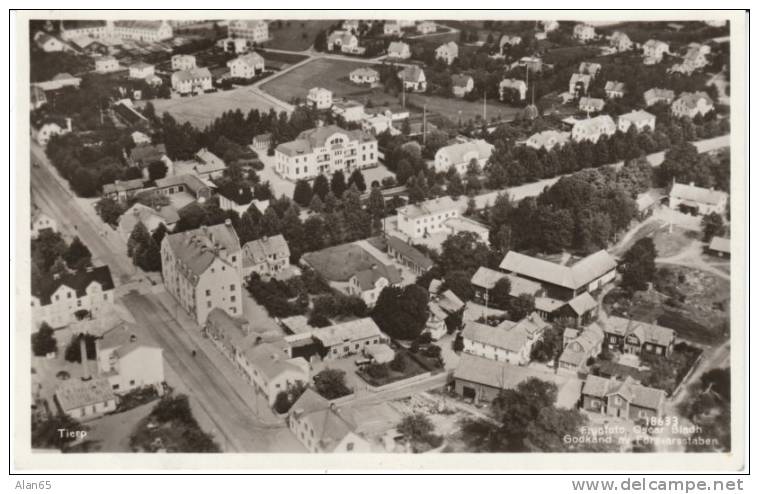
129 361
320 98
202 269
447 52
640 119
429 217
510 341
58 300
653 51
183 62
141 70
142 30
591 129
246 66
324 150
256 31
269 367
195 80
71 29
461 155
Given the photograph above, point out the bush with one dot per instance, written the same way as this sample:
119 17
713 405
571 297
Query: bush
424 339
43 341
377 371
433 351
398 364
458 344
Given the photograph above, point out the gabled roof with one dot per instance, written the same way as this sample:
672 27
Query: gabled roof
550 138
411 73
249 59
596 104
75 394
590 338
637 394
508 335
192 182
615 86
191 74
197 249
457 152
409 252
690 100
582 303
450 302
272 359
125 334
347 331
637 116
123 186
397 47
573 277
317 137
257 251
697 194
431 206
646 333
365 72
720 244
330 426
81 24
460 80
368 277
78 281
494 373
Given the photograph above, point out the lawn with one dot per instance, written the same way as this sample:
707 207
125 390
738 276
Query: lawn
410 368
279 61
453 109
295 35
340 262
670 244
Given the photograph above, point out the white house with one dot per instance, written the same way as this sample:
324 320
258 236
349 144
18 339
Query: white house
548 139
590 68
58 300
320 98
364 75
344 41
127 360
41 221
246 66
141 70
692 104
392 28
413 78
421 220
426 27
256 31
653 51
266 256
461 85
151 218
460 155
106 64
620 41
369 283
578 84
510 341
591 129
269 367
234 45
656 95
183 62
398 50
324 150
83 400
195 80
48 43
584 32
640 119
350 111
447 52
699 200
142 30
614 89
43 130
590 105
508 85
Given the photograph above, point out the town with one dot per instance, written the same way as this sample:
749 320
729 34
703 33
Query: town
380 235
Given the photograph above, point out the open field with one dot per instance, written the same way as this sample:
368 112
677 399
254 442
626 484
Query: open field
295 35
279 61
339 263
672 243
202 110
452 108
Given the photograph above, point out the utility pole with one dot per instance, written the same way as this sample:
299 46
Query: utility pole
485 106
424 125
403 92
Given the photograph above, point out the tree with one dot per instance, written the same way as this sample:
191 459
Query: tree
712 226
463 251
521 306
157 169
47 433
337 185
357 178
455 186
43 341
500 294
137 239
330 383
639 265
148 256
77 256
459 282
401 312
303 193
321 186
109 210
419 431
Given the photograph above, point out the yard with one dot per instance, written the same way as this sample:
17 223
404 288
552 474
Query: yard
406 365
340 262
672 243
295 35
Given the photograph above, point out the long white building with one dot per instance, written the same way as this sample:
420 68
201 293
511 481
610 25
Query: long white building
324 150
256 31
460 155
427 218
60 299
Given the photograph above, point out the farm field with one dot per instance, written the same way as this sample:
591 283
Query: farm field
295 35
202 110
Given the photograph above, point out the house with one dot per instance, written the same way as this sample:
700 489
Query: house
549 26
507 87
692 104
548 139
624 399
141 70
697 200
579 345
143 30
614 89
590 105
59 299
319 98
462 155
380 353
127 360
561 281
413 78
345 42
151 218
194 80
636 337
347 338
59 81
392 28
246 66
202 269
656 95
485 279
408 255
205 165
322 428
620 42
233 45
93 47
590 68
84 400
123 190
70 29
640 119
106 64
351 25
183 62
653 51
591 129
40 222
364 75
579 311
510 341
350 111
145 153
255 31
239 199
266 256
426 27
189 183
719 246
269 367
367 284
508 41
37 97
398 50
447 52
43 130
694 59
578 84
426 218
584 32
461 84
533 64
47 43
324 150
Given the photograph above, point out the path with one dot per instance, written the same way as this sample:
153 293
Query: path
691 257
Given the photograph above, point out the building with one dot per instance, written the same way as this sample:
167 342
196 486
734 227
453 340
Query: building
656 95
697 200
590 105
205 165
640 119
59 300
350 111
408 255
548 139
563 281
269 367
179 184
151 218
41 222
319 98
533 64
485 279
507 86
322 428
694 59
351 25
653 51
461 85
614 89
246 66
266 256
347 338
398 50
234 45
508 41
692 104
591 129
345 42
59 81
106 64
620 42
324 150
426 27
579 346
43 130
623 399
636 337
141 70
202 269
426 218
123 190
392 28
143 30
367 284
447 52
413 79
84 400
195 80
584 32
125 111
47 43
128 361
719 246
37 97
510 341
364 75
578 84
71 29
590 68
183 62
461 155
255 31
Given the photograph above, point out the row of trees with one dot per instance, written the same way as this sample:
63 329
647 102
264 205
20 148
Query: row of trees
51 255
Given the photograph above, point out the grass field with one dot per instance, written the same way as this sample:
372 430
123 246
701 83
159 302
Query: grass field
202 110
279 60
670 244
470 110
341 262
289 35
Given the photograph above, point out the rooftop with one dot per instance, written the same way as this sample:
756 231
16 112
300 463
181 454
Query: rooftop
257 251
573 277
508 335
75 394
696 194
198 248
432 206
78 281
357 329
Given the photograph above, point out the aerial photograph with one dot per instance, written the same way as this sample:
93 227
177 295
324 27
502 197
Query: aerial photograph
377 234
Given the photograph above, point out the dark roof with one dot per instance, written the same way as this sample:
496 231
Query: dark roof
79 281
129 115
409 252
147 152
81 24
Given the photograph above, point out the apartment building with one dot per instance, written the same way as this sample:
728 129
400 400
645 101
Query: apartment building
246 66
58 300
426 218
195 80
143 30
256 31
266 256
